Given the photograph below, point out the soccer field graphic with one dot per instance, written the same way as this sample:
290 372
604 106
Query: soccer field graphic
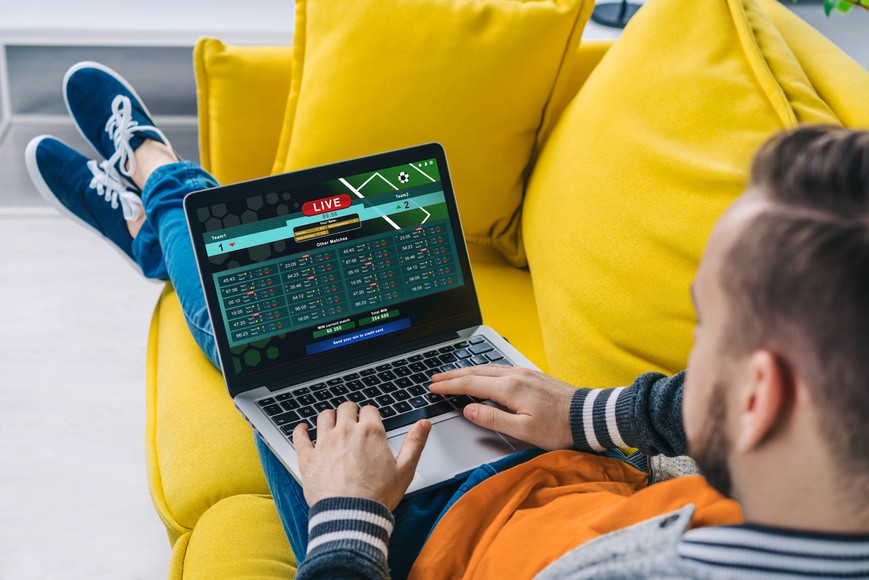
338 261
403 213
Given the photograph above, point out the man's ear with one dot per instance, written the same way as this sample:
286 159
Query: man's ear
764 400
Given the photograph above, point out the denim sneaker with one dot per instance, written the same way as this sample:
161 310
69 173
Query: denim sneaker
109 114
89 193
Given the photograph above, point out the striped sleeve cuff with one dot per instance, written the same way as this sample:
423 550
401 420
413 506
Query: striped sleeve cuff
352 523
600 419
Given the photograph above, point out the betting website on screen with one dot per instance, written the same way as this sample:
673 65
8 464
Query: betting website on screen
304 272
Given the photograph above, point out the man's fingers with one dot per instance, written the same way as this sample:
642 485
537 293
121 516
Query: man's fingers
488 370
484 387
494 419
411 449
325 420
370 414
301 441
346 412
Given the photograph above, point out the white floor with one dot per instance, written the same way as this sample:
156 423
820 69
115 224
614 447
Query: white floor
74 318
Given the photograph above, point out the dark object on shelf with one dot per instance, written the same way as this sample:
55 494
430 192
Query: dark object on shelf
614 14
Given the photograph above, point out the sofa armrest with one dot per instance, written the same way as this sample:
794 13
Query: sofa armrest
241 93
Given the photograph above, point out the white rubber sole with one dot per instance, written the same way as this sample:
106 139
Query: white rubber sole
49 197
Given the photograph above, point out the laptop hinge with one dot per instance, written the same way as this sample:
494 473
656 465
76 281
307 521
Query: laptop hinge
367 359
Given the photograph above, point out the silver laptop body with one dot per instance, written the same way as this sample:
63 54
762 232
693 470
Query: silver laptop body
349 281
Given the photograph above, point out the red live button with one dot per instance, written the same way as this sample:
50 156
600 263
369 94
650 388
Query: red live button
319 206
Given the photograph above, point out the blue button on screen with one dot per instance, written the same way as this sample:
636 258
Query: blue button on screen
345 339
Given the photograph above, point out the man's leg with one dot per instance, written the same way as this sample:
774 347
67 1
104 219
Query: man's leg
111 116
165 183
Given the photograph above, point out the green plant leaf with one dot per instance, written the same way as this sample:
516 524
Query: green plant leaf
842 6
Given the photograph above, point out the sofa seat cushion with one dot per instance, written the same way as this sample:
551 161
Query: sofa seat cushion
655 146
200 450
507 301
240 537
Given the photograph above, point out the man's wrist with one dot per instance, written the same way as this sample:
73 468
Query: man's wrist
600 419
353 523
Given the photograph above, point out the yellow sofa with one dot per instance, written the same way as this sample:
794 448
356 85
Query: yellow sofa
203 468
205 479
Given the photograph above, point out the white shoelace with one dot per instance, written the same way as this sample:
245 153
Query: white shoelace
121 126
107 184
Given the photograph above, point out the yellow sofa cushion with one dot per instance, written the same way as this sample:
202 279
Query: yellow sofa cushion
507 301
816 55
240 537
655 146
242 94
199 449
232 82
375 75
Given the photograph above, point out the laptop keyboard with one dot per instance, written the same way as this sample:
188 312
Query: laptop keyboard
399 389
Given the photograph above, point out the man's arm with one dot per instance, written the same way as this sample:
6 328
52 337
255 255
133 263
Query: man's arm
552 415
347 539
352 481
647 415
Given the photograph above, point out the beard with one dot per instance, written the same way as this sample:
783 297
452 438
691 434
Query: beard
712 449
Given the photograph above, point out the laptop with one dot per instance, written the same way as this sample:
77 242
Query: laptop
348 282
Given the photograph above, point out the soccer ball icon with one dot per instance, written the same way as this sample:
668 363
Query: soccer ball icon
403 177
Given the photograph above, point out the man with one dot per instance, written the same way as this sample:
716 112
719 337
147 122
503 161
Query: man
775 408
774 412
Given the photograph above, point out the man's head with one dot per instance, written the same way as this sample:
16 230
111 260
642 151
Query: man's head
782 296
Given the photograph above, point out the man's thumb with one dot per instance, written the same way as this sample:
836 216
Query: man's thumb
411 448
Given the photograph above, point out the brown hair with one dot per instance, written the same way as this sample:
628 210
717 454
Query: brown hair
797 279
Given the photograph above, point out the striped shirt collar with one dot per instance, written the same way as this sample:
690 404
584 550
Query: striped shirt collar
758 551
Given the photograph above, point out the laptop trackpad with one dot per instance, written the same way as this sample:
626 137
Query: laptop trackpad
456 446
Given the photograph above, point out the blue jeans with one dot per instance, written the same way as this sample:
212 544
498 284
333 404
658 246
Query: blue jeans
163 198
417 515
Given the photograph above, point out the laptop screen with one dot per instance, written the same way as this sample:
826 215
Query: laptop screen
305 267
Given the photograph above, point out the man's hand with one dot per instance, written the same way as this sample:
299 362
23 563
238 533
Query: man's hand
539 405
352 458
